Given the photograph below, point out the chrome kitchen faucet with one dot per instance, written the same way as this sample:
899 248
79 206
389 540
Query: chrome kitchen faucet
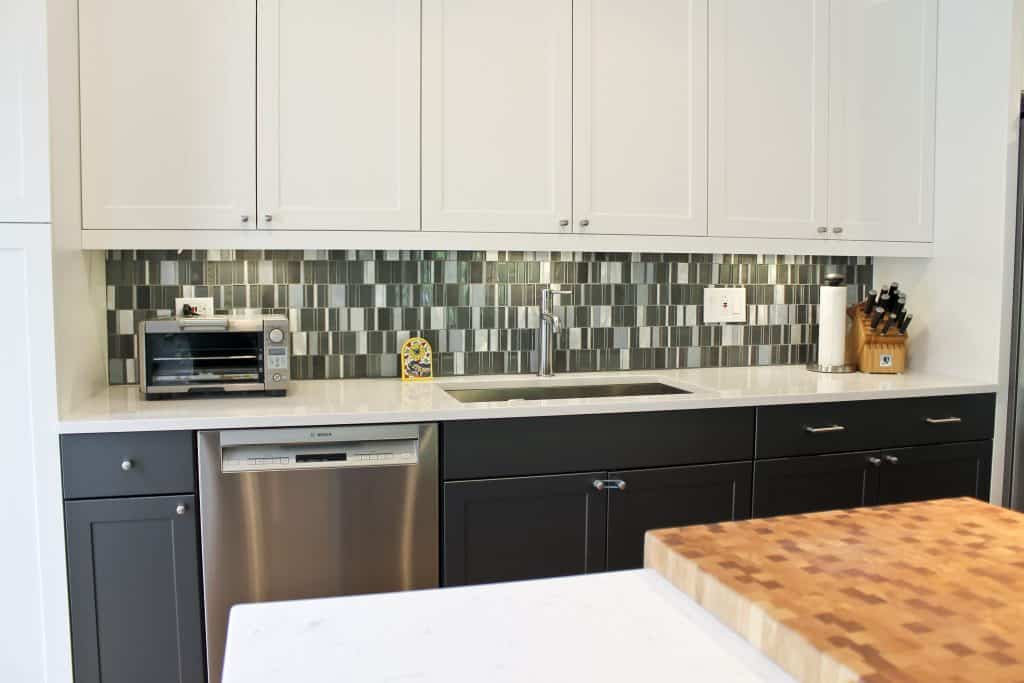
550 325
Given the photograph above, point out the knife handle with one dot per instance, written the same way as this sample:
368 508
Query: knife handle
877 317
906 323
885 301
889 320
869 303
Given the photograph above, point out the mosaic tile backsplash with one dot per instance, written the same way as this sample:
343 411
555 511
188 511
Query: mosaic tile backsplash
351 311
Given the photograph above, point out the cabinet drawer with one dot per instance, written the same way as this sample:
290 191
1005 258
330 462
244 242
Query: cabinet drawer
133 464
869 425
474 449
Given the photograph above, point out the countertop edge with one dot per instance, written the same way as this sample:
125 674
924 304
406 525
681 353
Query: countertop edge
459 412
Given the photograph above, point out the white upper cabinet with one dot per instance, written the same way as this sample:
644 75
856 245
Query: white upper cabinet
339 114
640 117
168 92
768 116
882 125
497 115
24 150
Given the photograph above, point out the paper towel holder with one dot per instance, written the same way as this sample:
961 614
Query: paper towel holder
835 280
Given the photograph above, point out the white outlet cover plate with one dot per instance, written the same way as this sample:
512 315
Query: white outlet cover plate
725 305
202 304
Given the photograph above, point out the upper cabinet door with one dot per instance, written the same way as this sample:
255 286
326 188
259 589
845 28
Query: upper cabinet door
768 118
24 150
497 100
883 119
168 92
640 117
339 114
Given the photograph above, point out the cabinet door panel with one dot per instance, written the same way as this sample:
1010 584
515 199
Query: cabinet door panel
168 93
882 128
523 528
640 117
944 471
673 496
812 483
767 144
133 575
339 98
24 147
497 115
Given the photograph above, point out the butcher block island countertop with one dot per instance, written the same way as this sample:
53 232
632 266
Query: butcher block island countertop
930 591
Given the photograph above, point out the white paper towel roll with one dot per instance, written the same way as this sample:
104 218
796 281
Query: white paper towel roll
832 325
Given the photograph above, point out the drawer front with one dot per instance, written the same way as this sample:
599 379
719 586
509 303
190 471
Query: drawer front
784 431
132 464
475 449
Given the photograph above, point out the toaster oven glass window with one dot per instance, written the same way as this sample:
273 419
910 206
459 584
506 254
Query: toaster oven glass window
204 358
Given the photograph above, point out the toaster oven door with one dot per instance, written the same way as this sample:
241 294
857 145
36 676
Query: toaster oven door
182 362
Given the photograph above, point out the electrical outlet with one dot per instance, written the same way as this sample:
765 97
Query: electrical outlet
725 305
203 305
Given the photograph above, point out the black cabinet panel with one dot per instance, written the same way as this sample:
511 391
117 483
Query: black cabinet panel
93 465
927 472
784 431
133 575
548 445
523 528
812 483
668 497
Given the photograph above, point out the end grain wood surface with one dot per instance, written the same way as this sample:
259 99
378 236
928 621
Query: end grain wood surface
930 591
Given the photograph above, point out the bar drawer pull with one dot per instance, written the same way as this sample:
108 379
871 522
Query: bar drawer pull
943 420
825 430
602 484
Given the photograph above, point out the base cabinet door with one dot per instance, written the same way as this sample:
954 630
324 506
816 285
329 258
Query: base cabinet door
523 528
812 483
133 575
943 471
670 497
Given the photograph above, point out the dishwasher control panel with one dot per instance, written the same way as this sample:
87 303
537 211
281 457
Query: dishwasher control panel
311 456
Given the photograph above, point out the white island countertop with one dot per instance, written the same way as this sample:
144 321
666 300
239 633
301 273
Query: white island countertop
614 627
368 401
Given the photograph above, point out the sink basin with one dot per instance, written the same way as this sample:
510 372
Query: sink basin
544 393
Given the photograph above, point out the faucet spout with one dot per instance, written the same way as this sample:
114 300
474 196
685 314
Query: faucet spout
550 325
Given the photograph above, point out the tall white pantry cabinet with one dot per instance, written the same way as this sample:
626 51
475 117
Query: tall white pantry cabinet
736 120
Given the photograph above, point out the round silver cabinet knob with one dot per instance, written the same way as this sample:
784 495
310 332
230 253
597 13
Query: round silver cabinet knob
564 223
875 461
822 229
276 336
180 509
892 460
584 223
244 219
127 464
837 229
267 218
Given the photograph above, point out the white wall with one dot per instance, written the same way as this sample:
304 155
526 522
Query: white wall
959 297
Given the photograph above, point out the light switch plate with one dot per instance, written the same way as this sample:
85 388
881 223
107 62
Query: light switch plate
725 305
202 304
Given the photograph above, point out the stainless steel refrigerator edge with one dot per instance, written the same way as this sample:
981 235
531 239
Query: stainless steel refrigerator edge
1013 470
310 520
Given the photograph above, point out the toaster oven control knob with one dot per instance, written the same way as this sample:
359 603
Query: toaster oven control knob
276 336
277 376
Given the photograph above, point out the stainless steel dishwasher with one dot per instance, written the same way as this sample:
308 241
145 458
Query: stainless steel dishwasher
296 513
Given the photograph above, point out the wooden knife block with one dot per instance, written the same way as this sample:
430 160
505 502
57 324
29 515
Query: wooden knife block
871 351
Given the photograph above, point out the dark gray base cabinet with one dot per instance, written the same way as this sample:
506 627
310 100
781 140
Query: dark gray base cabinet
133 573
519 528
812 483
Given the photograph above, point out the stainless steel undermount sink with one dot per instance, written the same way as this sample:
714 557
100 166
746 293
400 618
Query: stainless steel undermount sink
563 391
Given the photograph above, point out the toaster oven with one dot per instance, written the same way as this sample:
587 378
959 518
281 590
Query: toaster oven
213 355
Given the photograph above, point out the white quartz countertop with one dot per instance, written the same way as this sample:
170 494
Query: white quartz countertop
365 401
614 627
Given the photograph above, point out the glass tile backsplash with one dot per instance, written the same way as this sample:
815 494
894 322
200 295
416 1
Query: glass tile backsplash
350 311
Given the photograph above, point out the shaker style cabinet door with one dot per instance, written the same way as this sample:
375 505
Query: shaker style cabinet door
942 471
640 117
670 497
813 483
133 577
768 116
339 114
882 122
523 528
24 147
497 115
168 92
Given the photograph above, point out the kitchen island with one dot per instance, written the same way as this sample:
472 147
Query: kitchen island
611 627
